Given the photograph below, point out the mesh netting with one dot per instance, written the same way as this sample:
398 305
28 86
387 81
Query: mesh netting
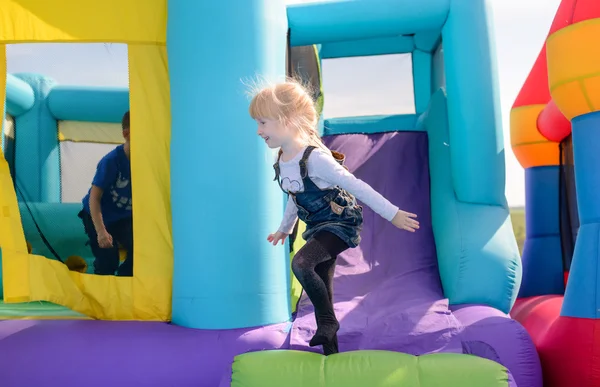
439 74
55 229
303 63
569 217
78 161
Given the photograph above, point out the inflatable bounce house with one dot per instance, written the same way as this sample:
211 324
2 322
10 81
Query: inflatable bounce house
554 134
211 305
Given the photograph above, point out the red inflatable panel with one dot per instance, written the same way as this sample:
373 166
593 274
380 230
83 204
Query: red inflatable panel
564 15
586 9
569 348
535 90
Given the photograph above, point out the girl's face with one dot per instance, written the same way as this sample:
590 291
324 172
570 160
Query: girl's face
273 132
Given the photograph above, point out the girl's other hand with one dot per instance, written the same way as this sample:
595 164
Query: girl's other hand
276 237
405 221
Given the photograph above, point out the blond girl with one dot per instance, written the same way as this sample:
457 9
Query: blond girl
321 193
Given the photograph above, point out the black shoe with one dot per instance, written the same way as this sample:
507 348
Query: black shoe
325 334
331 347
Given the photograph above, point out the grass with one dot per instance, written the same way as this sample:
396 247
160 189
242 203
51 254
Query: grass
518 220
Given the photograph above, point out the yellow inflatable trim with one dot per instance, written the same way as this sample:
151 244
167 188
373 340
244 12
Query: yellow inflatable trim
103 21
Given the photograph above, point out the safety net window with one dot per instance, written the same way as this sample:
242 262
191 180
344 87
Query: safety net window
82 146
59 139
302 63
380 84
569 217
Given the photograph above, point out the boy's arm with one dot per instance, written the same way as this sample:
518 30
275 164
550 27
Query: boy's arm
289 217
106 175
96 209
326 168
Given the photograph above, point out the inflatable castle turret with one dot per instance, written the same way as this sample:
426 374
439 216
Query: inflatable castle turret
559 102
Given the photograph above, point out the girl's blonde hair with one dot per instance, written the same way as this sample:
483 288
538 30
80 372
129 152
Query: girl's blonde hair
291 104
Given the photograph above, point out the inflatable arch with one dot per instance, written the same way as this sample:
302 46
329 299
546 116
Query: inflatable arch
443 293
554 136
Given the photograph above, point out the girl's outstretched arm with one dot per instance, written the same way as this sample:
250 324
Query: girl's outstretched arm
289 217
325 167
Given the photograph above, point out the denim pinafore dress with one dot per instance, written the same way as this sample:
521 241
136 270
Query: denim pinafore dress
334 210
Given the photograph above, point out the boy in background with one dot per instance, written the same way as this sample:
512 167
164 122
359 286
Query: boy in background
106 214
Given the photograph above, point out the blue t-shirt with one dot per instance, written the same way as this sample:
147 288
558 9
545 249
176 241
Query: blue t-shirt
113 176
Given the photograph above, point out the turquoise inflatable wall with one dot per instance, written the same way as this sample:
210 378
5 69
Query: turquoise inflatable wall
221 221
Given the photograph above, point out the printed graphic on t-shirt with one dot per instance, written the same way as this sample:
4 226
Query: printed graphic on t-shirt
292 186
120 201
122 182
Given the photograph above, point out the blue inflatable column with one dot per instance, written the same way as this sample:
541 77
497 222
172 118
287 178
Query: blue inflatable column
37 154
224 200
422 75
474 115
542 253
19 99
19 95
582 296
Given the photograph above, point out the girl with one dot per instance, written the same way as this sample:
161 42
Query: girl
321 193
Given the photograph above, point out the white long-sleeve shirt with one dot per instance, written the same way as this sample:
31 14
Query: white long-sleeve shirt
327 173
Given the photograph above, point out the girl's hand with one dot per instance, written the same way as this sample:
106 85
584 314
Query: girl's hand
404 220
275 238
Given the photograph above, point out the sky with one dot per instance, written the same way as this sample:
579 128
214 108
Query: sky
353 86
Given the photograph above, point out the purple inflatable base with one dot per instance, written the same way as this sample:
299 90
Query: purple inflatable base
73 353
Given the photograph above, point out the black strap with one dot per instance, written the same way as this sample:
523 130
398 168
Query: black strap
276 166
302 162
37 226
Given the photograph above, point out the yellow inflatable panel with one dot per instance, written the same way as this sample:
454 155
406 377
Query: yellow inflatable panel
151 172
26 277
146 295
12 239
530 147
574 68
573 99
592 87
131 21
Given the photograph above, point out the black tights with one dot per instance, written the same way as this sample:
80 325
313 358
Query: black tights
314 266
